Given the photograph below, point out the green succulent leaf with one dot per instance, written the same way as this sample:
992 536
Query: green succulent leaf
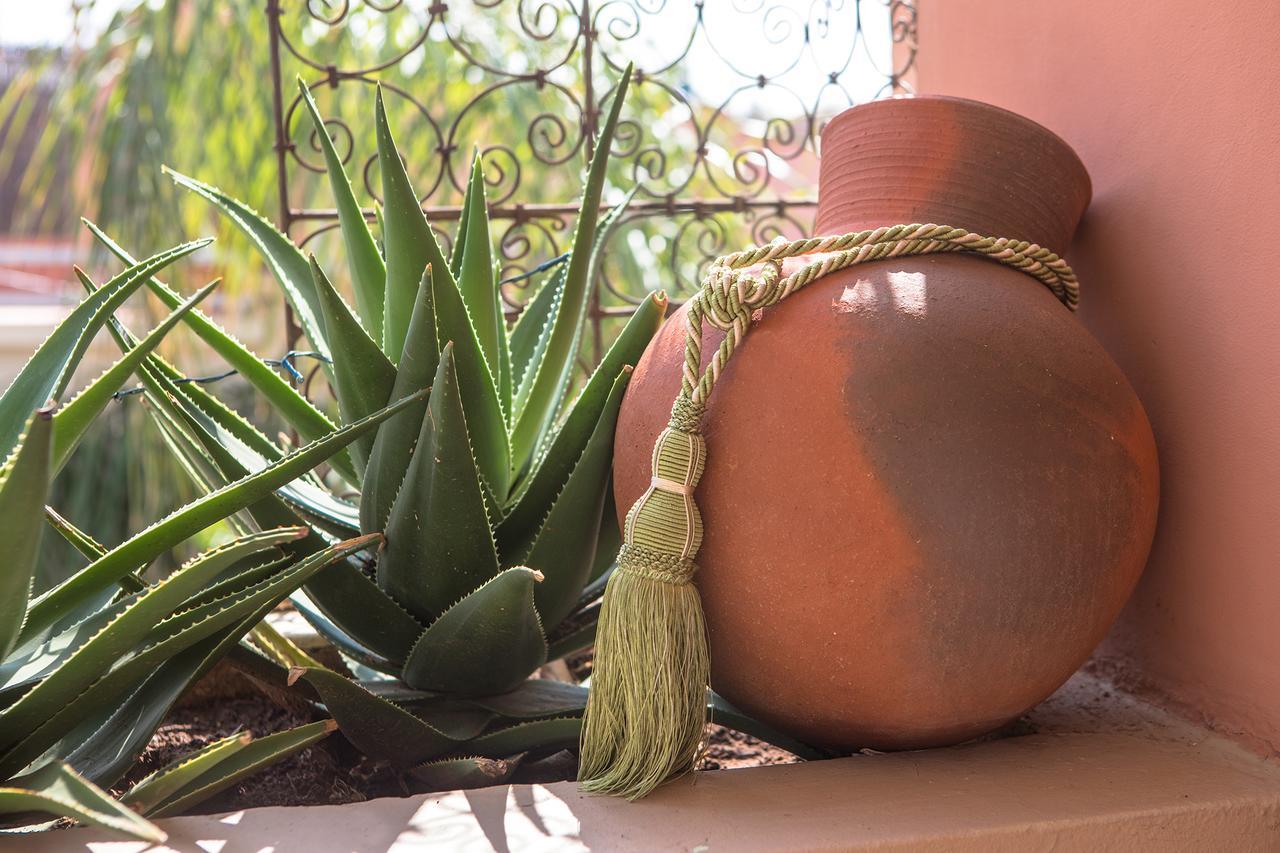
196 516
528 337
105 743
176 635
47 372
79 669
486 422
285 260
164 380
409 243
378 728
58 790
309 421
439 544
550 471
535 698
454 774
84 543
574 639
71 421
363 376
564 548
24 486
487 643
342 592
170 780
475 272
543 735
356 619
368 271
551 367
721 712
202 782
393 446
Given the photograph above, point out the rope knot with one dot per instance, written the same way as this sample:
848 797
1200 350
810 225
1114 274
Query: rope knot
656 565
729 296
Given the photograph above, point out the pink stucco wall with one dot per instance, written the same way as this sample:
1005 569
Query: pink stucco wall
1175 108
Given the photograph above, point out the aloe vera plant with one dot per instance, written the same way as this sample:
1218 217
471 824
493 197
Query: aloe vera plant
89 668
491 493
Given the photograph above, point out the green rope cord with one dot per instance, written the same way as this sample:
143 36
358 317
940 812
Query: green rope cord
646 712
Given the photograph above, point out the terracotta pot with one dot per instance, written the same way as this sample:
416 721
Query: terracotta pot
929 490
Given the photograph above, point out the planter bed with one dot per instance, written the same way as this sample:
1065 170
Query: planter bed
1090 769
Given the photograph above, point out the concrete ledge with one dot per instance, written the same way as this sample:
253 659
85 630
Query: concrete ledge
1101 772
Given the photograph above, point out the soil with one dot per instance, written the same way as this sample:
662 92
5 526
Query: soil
334 772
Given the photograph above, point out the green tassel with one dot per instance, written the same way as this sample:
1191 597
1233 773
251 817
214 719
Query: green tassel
647 711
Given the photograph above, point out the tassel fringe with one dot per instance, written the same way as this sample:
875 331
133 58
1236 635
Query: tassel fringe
646 713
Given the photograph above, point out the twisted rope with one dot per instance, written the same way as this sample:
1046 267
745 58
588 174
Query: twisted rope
730 295
646 712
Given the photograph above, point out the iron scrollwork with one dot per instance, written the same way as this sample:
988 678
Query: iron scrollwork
720 160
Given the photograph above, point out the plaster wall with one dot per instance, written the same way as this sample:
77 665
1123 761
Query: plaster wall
1174 107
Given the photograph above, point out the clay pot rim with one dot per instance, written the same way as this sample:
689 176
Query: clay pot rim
1029 125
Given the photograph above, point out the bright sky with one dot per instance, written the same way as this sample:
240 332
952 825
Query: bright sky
44 22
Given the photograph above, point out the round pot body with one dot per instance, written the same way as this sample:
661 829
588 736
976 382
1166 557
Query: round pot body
929 491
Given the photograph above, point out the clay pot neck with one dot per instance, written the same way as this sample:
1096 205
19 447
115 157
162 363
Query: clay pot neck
950 161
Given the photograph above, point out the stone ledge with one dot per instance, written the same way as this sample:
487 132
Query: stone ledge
1099 772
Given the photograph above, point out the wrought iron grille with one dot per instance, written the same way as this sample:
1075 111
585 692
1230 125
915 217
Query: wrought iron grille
719 134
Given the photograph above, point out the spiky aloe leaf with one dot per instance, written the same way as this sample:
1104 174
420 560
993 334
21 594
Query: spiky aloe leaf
457 774
535 698
377 727
486 422
47 372
363 376
279 648
393 446
202 782
175 636
170 780
475 272
505 383
543 735
71 421
564 546
530 334
485 644
574 639
550 470
361 651
155 369
79 669
197 515
439 545
342 591
550 369
309 421
409 242
24 486
285 260
721 712
368 272
77 538
57 790
105 742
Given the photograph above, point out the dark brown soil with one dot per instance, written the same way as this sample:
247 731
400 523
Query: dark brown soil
333 771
